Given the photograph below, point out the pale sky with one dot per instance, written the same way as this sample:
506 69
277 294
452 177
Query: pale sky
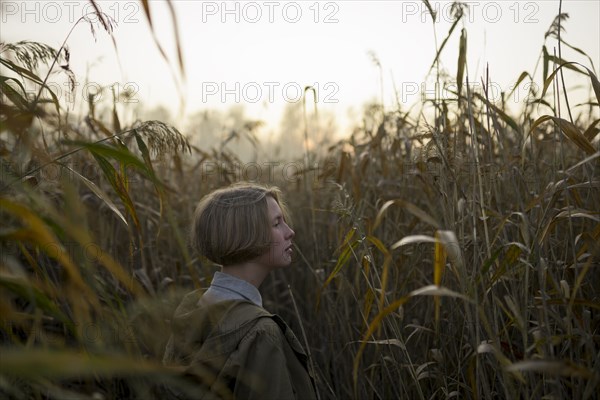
262 53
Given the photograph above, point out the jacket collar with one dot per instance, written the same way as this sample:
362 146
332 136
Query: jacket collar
228 287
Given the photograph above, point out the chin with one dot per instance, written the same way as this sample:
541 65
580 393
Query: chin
284 264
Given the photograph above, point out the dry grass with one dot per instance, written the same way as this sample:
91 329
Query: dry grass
447 256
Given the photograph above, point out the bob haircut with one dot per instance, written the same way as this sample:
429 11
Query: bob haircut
231 224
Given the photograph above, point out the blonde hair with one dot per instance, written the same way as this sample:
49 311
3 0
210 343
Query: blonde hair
231 225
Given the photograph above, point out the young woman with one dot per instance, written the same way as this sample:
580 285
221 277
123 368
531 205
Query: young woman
222 337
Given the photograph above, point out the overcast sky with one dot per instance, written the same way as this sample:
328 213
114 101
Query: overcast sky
262 54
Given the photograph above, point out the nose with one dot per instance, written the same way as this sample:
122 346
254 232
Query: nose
290 233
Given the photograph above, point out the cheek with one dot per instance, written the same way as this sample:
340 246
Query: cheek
276 237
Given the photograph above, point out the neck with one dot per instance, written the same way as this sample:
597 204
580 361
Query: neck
250 272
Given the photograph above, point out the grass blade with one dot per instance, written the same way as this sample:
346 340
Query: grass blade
462 59
569 130
99 193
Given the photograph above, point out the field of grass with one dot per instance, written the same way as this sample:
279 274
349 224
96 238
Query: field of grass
452 254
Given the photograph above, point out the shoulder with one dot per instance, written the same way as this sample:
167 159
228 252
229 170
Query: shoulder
264 340
242 313
252 322
267 326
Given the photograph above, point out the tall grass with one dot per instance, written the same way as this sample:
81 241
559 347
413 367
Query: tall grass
451 255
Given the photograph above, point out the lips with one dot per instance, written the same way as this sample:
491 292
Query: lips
289 249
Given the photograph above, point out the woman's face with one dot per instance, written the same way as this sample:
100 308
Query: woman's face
280 251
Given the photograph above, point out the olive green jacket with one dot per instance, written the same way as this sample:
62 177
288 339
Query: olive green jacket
236 350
